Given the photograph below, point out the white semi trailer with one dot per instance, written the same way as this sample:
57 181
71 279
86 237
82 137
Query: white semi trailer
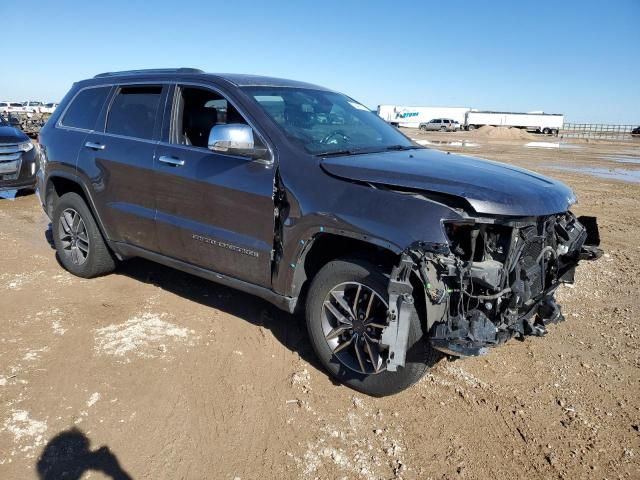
535 121
412 117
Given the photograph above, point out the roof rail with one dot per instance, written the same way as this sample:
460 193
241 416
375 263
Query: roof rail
150 70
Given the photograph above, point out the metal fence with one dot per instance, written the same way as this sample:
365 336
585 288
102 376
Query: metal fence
597 131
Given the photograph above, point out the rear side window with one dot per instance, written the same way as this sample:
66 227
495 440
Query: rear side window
133 112
85 108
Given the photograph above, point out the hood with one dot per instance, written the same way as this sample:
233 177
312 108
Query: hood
491 188
11 135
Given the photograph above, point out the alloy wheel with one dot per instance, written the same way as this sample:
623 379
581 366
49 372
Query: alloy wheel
353 318
73 236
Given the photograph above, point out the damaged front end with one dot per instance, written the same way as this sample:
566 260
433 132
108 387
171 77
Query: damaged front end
497 280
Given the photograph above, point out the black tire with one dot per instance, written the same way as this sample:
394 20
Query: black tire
443 129
545 131
423 128
471 127
98 260
420 356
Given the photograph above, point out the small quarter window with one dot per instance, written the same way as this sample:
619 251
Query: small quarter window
85 108
133 112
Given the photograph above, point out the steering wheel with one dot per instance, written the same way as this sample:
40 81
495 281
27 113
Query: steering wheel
334 138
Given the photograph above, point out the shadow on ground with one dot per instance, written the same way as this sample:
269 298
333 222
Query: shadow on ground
67 456
286 328
13 194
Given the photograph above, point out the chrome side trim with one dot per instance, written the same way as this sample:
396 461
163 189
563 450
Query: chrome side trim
177 84
59 123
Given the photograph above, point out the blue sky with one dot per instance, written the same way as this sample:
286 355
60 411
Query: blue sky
580 58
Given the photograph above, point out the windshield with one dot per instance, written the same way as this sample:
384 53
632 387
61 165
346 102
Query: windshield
325 123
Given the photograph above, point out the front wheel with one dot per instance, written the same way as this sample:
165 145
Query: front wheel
346 313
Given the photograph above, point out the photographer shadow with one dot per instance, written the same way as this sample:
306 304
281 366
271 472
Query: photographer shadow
68 456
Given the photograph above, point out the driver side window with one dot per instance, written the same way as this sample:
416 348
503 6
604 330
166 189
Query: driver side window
196 112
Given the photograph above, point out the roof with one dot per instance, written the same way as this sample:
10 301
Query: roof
243 80
239 80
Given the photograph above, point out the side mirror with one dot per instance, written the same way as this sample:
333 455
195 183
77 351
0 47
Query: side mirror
235 139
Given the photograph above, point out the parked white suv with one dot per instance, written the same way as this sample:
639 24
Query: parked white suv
31 106
48 108
442 124
10 107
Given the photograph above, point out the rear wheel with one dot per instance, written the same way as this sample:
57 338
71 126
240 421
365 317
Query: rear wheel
423 128
443 129
346 313
77 238
471 127
545 131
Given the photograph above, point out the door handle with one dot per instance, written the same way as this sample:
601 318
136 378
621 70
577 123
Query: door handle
173 161
95 146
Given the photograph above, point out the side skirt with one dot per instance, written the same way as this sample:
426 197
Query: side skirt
287 304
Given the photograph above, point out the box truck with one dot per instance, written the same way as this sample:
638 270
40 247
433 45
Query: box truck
412 117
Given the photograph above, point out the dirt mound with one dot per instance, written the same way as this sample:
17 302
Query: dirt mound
488 131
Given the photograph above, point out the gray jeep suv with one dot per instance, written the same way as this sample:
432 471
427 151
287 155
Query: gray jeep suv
302 196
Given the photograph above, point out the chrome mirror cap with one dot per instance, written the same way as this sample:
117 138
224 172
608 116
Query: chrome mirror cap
232 138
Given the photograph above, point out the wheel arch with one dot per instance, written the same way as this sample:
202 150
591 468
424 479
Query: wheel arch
59 184
324 247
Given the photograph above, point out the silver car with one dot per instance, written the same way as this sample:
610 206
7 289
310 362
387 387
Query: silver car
440 124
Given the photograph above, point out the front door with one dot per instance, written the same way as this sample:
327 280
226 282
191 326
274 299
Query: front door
214 211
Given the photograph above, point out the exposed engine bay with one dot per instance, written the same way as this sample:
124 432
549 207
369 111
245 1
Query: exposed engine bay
496 281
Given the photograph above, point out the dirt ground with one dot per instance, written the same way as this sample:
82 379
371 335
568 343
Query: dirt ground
156 374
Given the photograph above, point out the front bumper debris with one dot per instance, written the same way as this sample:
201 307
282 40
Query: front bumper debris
497 281
396 335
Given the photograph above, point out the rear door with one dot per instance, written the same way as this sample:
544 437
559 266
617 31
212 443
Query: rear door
214 210
117 162
78 119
